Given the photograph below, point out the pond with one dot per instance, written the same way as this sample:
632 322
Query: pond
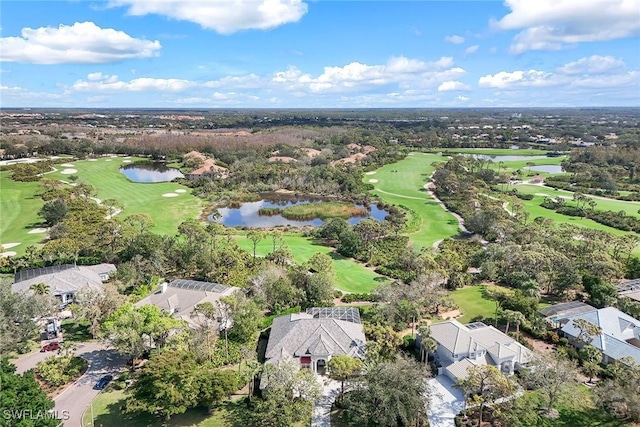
150 172
248 214
547 168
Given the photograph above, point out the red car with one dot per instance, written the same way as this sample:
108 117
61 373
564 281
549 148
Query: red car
52 346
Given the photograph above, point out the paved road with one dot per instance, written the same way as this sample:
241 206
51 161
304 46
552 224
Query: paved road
73 401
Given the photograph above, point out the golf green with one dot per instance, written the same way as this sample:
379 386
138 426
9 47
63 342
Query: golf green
402 184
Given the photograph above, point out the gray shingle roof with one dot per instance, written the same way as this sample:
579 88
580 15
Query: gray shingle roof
180 301
617 327
461 340
66 280
302 334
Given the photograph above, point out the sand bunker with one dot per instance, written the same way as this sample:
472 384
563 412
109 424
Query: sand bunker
370 173
170 195
38 231
108 160
180 190
93 160
10 245
8 253
67 165
69 171
126 161
373 181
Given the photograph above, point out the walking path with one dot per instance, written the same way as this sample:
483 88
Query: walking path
322 408
429 186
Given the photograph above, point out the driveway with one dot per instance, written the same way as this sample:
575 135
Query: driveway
446 402
322 408
72 402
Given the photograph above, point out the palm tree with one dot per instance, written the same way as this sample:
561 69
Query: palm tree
514 317
39 288
427 344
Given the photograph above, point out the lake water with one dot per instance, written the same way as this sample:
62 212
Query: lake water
150 172
247 214
547 168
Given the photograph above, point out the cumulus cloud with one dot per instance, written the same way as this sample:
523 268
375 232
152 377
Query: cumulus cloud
405 72
106 83
592 72
80 43
223 16
454 39
594 64
552 24
452 85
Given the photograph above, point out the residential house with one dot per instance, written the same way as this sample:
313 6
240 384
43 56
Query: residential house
63 281
620 335
460 347
180 297
315 336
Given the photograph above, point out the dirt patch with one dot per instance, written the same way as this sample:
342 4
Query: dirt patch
451 314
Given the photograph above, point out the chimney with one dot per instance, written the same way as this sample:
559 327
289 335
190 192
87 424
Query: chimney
163 287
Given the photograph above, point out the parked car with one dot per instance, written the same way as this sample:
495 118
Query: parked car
102 382
52 346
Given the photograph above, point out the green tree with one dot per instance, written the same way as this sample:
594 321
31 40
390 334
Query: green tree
215 386
256 237
23 393
342 367
95 305
554 377
389 394
483 386
39 288
165 385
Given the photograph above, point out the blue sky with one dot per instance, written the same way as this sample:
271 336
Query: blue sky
294 53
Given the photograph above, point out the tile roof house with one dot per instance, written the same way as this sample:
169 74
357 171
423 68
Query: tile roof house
315 336
181 296
64 280
460 347
620 333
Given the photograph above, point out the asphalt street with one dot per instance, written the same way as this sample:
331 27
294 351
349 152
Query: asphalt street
72 402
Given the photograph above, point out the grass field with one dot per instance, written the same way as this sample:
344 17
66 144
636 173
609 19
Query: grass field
107 411
19 203
402 184
167 212
494 151
350 275
472 303
19 206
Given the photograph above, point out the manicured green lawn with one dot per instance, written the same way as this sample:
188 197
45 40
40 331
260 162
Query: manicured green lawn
350 275
20 203
19 206
472 303
602 203
402 184
107 412
494 151
167 212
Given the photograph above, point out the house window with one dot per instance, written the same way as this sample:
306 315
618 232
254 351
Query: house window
305 362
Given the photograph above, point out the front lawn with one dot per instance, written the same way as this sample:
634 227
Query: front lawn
472 303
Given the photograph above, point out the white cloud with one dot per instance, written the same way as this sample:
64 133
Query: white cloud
405 72
454 39
461 98
552 24
505 79
100 82
452 85
471 49
594 64
591 73
223 16
80 43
